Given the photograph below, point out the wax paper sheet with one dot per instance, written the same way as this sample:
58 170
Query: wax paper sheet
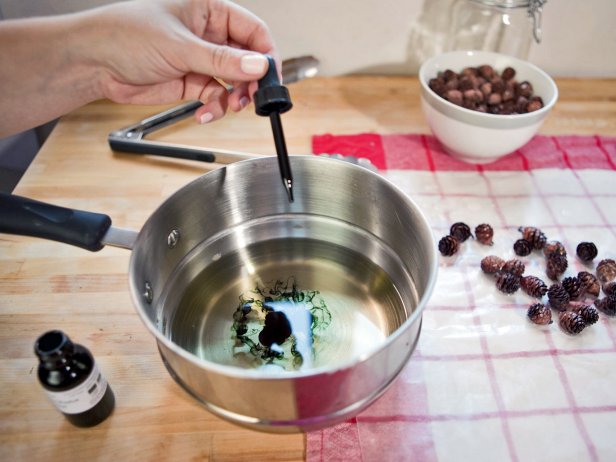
484 382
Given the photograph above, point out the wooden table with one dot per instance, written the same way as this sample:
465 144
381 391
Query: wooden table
45 285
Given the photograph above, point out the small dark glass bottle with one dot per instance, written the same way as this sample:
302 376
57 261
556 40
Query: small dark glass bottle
72 380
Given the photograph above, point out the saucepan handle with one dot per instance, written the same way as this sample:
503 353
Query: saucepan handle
27 217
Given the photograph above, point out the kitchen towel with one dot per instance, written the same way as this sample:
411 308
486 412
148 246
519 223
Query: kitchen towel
484 383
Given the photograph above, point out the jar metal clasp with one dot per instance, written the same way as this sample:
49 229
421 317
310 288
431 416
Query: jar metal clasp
535 10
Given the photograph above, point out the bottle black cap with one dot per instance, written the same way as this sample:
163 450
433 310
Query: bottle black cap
53 344
271 96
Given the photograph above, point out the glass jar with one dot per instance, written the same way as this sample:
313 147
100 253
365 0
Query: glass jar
503 26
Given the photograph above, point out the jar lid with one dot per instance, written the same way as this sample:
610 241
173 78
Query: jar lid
505 3
534 7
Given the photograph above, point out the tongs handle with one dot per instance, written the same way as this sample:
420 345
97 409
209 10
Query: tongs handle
131 139
175 151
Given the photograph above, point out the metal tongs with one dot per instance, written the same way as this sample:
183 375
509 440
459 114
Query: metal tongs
132 140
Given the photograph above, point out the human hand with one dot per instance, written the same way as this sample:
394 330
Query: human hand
157 52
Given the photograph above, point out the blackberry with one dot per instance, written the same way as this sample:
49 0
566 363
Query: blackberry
484 234
514 266
607 305
573 287
606 270
539 314
460 231
533 235
448 245
522 247
589 283
554 247
507 282
587 251
571 322
589 313
555 266
533 286
492 264
558 297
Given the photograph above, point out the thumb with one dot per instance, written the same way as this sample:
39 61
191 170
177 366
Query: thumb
227 63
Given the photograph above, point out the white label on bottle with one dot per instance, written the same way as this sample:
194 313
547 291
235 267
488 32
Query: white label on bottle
83 397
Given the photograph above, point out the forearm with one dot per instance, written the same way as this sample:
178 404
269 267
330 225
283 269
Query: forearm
44 71
138 52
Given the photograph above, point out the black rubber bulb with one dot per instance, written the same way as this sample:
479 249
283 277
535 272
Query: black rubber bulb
271 95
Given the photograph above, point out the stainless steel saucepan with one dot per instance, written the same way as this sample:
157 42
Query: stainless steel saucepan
350 235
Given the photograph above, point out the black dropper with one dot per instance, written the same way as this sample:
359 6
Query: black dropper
272 99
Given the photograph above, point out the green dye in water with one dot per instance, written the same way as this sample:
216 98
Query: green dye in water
262 324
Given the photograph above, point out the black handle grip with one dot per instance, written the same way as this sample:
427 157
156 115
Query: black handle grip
27 217
271 96
164 150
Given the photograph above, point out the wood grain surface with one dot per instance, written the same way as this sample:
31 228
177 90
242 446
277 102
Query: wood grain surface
46 285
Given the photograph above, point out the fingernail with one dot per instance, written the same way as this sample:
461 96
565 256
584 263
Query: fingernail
253 64
244 100
205 118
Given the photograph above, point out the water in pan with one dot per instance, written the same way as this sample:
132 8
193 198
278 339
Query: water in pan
362 301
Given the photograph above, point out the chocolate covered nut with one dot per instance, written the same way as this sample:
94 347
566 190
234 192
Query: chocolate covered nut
448 75
507 108
508 73
468 71
437 86
498 86
469 104
534 106
486 71
536 98
465 84
484 89
520 105
495 98
452 84
507 95
524 89
474 96
454 96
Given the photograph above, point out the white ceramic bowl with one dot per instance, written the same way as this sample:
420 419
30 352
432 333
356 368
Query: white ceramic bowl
479 137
